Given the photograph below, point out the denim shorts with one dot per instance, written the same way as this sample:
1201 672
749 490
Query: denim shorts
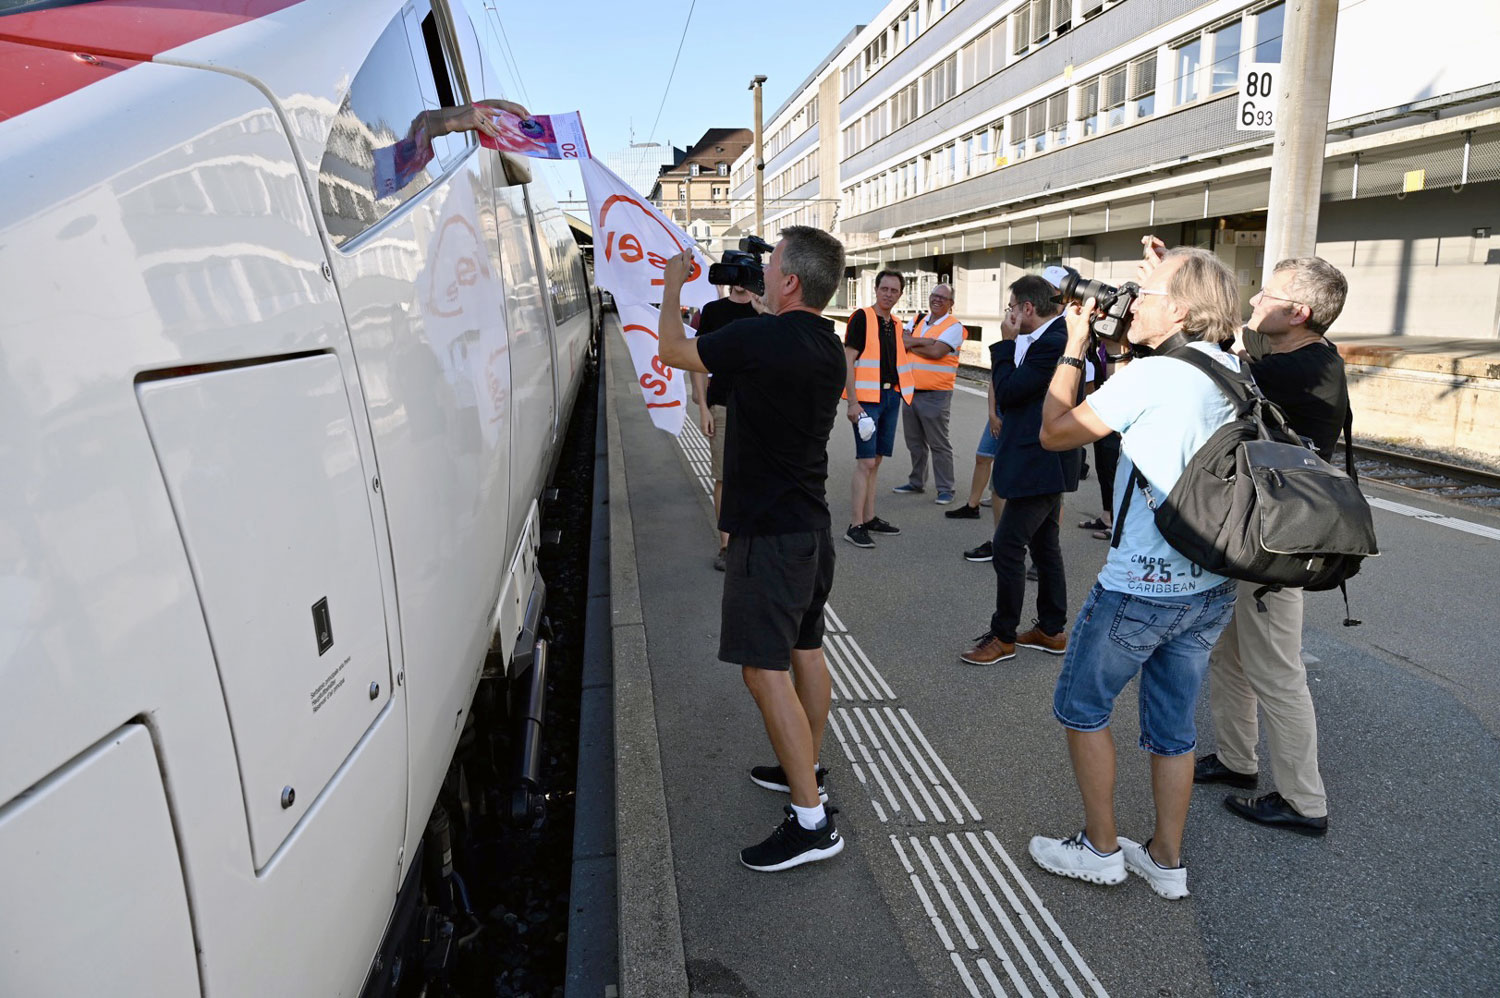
1167 639
989 444
887 415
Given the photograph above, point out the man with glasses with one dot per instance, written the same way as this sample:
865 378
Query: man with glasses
1258 660
933 347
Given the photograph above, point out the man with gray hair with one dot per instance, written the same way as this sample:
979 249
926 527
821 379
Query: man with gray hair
933 347
788 372
1258 660
1152 612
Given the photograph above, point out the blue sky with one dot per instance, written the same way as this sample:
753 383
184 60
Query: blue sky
610 60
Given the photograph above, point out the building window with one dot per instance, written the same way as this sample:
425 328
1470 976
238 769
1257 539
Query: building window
1020 25
1112 93
1143 85
1226 49
722 169
1041 23
694 169
1018 135
1270 24
1088 107
1036 126
1057 120
682 192
1186 59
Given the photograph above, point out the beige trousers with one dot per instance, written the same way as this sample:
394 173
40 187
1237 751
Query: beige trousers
1258 661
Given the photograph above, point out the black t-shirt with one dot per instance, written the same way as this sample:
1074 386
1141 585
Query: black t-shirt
716 315
854 339
1307 383
788 373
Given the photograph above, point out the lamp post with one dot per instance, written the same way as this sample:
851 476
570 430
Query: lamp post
760 163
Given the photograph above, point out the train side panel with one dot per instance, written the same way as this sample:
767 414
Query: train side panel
188 253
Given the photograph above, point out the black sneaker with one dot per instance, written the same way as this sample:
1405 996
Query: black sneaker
774 778
792 845
981 553
964 512
879 526
859 537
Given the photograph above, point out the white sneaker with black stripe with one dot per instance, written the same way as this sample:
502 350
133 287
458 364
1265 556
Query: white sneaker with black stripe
1168 882
1076 857
774 778
792 845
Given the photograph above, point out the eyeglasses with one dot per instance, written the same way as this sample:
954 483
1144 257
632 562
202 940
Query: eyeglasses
1150 291
1289 301
940 297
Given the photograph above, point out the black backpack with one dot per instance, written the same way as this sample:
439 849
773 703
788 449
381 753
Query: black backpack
1257 504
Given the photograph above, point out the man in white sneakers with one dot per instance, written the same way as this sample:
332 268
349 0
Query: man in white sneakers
1152 612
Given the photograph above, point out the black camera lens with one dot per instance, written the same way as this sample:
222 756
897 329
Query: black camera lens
1076 287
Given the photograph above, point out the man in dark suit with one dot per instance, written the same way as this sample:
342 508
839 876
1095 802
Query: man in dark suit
1030 480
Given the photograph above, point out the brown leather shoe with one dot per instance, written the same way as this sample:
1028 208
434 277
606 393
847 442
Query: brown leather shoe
989 651
1053 644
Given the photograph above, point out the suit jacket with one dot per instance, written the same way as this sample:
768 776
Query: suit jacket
1022 467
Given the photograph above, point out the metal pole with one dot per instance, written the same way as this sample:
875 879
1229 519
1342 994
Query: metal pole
760 163
1301 131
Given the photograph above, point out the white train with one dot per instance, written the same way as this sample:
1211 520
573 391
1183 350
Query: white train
271 448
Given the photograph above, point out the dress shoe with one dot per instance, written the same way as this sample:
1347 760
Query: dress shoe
1274 810
1210 770
988 651
1053 644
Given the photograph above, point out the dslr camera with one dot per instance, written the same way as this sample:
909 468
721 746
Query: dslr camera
1111 319
743 266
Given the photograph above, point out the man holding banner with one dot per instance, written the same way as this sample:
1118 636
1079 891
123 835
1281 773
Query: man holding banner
788 372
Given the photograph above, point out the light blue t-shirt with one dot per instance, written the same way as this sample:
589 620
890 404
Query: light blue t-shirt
1164 410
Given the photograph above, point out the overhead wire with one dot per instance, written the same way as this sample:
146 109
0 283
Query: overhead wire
668 89
511 69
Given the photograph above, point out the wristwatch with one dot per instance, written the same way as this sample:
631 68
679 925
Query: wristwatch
1071 362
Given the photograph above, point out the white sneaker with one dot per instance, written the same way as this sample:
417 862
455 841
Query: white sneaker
1076 858
1170 884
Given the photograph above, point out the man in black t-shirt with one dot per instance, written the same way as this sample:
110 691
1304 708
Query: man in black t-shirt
1258 659
713 397
788 373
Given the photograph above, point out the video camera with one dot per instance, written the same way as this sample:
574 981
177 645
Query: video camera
1111 320
743 266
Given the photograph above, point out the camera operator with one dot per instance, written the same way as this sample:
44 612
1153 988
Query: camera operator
712 393
1258 660
788 371
1151 611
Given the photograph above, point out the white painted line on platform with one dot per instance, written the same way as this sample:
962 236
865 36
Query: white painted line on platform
847 649
977 913
833 618
854 645
944 896
971 391
1067 944
895 746
831 653
1010 929
1058 967
963 972
1440 519
874 743
973 811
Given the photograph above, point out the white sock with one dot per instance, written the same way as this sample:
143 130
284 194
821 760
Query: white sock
1096 850
810 817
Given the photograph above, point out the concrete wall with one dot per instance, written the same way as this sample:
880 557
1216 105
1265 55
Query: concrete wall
1414 265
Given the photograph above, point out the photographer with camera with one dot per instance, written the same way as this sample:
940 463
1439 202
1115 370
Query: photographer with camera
879 377
712 394
788 370
1151 611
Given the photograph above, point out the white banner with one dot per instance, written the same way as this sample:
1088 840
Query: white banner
632 242
665 388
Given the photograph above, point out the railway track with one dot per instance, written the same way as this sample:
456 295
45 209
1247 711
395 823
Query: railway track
1472 486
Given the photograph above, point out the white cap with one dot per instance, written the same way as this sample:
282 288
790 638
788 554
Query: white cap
1054 276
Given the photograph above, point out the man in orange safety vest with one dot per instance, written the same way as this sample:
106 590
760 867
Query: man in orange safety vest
933 344
880 379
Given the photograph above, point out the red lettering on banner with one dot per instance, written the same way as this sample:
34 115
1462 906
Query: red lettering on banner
631 249
663 405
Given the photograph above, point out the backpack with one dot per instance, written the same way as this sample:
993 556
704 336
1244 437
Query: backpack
1257 504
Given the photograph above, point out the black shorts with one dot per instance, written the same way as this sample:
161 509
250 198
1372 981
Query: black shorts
774 590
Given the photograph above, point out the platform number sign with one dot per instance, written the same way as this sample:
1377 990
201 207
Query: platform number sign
1256 109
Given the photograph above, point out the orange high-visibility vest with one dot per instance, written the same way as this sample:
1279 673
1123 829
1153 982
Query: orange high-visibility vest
867 365
935 375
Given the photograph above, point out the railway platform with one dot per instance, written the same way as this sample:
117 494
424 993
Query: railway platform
942 772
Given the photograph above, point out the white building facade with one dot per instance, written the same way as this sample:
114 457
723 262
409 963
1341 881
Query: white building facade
971 141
